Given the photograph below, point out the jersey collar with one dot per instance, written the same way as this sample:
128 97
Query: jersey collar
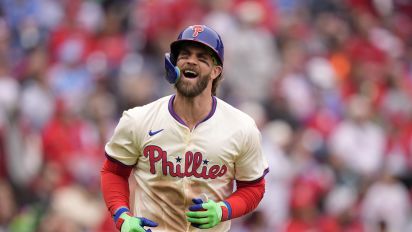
175 116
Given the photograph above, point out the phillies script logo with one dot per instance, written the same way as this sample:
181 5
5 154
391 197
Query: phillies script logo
193 165
196 30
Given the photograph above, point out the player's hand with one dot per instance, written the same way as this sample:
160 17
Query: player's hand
205 215
128 223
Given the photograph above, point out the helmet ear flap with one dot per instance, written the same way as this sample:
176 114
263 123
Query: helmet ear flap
172 57
172 71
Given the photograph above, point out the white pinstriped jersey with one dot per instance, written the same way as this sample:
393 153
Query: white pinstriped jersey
174 165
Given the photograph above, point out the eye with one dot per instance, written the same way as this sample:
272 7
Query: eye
203 59
183 56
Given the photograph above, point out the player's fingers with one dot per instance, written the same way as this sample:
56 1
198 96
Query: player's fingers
207 205
197 201
137 230
197 214
198 220
197 207
147 222
133 225
205 226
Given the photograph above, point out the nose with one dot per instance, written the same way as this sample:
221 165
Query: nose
192 59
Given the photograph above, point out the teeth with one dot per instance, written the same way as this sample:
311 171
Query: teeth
190 73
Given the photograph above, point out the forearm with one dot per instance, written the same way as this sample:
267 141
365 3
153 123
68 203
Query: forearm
115 188
115 185
244 200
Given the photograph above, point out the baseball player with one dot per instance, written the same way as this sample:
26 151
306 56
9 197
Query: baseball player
185 151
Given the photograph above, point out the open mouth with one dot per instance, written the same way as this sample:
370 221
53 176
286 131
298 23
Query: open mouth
190 73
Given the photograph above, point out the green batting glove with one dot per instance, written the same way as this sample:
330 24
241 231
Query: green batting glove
126 222
205 215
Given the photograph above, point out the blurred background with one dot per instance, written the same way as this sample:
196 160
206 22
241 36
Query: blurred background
329 83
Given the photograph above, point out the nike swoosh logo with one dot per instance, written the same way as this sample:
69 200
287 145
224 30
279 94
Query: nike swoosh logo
151 133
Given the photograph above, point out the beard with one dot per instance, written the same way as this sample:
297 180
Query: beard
188 89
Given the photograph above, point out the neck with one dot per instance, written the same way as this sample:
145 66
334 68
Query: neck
192 110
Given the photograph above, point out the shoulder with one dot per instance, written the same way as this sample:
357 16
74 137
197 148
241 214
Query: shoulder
234 115
241 125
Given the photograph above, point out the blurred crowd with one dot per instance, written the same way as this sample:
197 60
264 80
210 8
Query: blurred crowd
329 83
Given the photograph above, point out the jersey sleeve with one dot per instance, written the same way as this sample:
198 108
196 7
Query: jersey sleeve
123 145
251 165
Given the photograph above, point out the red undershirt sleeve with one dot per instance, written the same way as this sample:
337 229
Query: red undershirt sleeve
115 185
244 200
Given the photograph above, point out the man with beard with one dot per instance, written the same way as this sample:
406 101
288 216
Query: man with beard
186 151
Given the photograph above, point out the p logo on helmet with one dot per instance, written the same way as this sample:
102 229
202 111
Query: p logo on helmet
200 34
196 30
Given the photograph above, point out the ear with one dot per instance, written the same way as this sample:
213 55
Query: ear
216 71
